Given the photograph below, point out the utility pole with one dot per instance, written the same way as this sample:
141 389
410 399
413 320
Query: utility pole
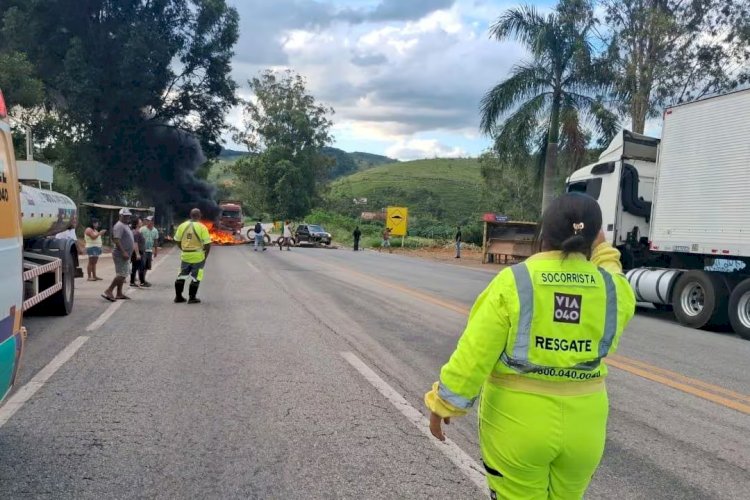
29 144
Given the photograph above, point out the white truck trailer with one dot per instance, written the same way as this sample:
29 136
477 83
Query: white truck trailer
679 210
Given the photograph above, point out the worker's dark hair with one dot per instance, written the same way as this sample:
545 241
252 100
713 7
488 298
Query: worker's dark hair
571 224
92 222
134 222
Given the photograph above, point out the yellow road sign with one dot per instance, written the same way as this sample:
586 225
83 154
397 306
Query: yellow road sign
397 218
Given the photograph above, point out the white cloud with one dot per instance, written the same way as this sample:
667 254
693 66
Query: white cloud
413 149
401 81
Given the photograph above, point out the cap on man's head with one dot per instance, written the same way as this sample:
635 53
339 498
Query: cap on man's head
125 211
150 218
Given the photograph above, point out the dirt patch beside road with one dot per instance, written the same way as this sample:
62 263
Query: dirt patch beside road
470 257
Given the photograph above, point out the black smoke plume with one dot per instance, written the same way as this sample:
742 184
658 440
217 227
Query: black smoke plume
170 160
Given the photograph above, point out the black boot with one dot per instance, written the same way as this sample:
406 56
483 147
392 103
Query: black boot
192 292
179 286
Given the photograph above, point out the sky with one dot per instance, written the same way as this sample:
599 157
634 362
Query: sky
405 77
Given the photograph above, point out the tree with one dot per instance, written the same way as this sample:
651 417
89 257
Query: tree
672 51
286 130
551 102
118 73
509 187
18 81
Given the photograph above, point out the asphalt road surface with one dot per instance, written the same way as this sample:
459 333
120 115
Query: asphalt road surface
301 375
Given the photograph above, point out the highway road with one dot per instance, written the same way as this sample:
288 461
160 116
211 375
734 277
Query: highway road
301 375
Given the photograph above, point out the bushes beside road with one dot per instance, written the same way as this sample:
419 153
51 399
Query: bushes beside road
423 233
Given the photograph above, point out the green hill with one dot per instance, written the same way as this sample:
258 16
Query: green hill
366 160
448 190
231 154
348 163
345 163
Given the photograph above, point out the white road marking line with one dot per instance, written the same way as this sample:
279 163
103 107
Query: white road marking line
103 317
27 391
253 266
108 312
450 449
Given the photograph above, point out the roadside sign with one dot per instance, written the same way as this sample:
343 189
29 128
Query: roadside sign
490 217
397 219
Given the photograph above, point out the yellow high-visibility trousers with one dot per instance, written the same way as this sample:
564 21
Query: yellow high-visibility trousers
538 446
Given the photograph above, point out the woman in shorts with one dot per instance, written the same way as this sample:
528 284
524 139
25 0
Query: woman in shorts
93 238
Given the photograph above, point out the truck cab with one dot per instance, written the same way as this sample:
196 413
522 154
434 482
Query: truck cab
231 216
623 181
12 336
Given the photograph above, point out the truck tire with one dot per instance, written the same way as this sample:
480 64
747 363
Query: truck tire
251 236
61 303
700 299
739 309
292 241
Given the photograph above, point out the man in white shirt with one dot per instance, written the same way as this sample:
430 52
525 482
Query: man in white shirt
287 241
151 236
70 233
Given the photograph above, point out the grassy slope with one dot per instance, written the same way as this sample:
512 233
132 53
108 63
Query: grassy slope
219 172
455 184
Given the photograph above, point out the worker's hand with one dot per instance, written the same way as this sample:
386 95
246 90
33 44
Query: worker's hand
102 231
436 427
137 256
124 254
600 238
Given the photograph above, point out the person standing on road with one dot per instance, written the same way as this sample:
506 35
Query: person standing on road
386 243
122 248
357 234
195 243
151 237
70 233
139 248
93 239
287 238
458 240
534 347
258 234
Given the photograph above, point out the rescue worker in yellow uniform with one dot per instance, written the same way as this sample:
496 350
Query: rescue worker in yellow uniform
534 346
195 243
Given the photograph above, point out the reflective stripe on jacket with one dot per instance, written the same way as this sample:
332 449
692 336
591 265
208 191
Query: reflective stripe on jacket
549 319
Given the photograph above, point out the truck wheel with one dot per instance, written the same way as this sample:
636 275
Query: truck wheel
61 303
700 298
739 309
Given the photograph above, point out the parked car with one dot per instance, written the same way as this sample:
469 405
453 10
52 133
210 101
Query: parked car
311 234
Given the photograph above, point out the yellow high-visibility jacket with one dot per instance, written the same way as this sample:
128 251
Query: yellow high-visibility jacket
192 236
548 319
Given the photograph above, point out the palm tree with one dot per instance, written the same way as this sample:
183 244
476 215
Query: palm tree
549 103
